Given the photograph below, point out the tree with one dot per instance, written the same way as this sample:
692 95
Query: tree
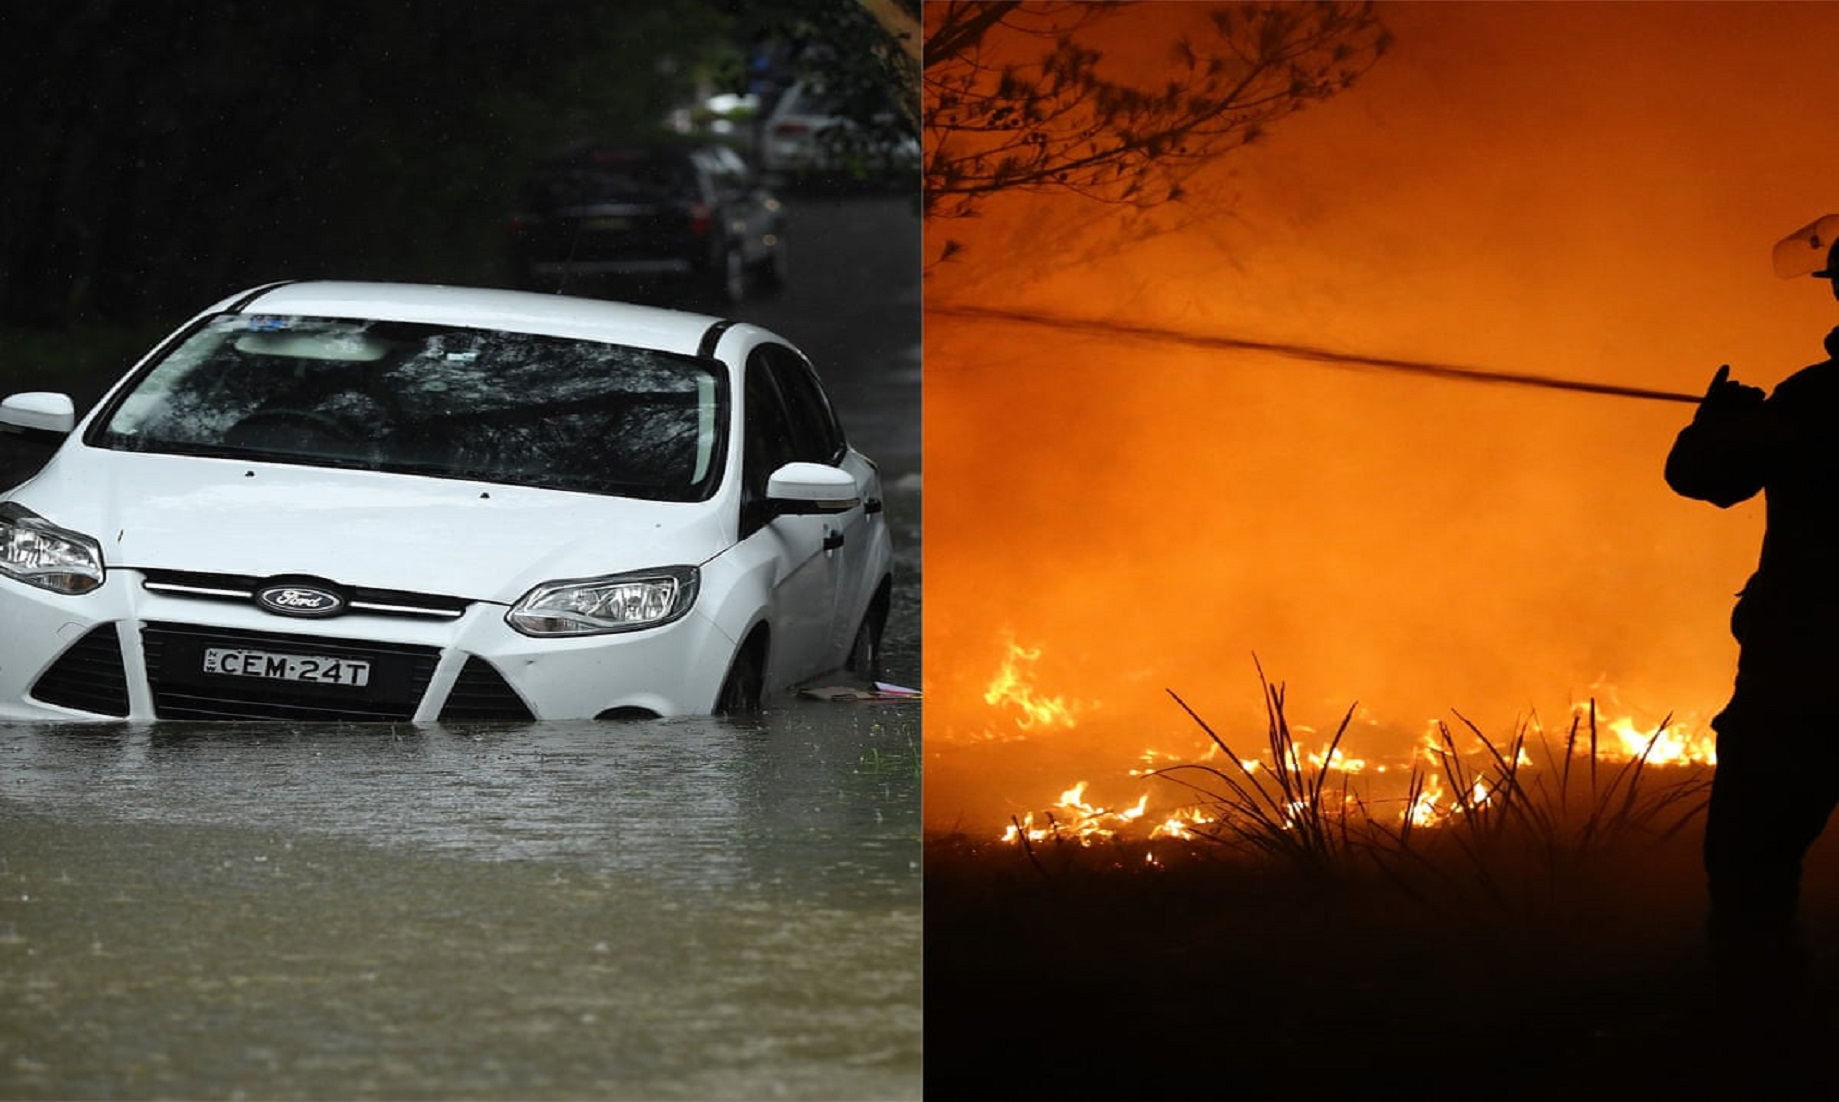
865 55
900 19
166 152
1018 100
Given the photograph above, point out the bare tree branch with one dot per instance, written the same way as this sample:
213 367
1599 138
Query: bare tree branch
1014 100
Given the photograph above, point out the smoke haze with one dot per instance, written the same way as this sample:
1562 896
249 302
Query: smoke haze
1583 190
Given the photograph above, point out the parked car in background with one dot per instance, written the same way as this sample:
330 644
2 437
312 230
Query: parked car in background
810 132
361 501
662 215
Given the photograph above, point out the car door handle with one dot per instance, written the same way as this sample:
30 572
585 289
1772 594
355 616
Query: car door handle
833 539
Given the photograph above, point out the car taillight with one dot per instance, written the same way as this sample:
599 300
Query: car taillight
790 128
700 218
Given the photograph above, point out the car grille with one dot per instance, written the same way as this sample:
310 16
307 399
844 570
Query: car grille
482 693
181 690
89 676
242 587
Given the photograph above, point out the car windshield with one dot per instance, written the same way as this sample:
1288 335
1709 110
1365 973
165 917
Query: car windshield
479 404
611 176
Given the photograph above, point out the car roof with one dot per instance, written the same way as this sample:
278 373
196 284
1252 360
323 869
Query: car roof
484 308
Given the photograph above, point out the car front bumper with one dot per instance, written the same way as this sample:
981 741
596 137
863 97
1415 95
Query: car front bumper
130 652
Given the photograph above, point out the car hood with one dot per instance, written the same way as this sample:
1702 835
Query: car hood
482 541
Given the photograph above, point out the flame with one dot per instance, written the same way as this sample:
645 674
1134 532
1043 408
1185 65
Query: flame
1424 810
1013 686
1077 820
1429 803
1623 737
1663 746
1180 824
1337 760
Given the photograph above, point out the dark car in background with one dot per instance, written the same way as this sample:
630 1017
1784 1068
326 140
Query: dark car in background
650 217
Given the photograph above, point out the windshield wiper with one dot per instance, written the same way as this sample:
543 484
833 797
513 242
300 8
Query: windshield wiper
168 447
224 451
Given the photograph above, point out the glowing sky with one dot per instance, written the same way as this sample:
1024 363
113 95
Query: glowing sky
1587 190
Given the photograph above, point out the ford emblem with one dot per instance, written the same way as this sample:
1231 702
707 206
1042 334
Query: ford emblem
293 599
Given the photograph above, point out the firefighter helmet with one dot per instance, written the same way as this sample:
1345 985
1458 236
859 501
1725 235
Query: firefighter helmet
1809 250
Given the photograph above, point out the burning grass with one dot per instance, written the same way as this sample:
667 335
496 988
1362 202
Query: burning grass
1481 827
1478 824
1497 929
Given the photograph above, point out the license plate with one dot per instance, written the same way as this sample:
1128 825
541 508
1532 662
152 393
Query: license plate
606 224
313 668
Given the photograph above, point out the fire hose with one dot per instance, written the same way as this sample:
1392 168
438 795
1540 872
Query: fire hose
1162 335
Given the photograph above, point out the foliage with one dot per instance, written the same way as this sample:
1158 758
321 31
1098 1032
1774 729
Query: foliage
1017 99
166 152
864 54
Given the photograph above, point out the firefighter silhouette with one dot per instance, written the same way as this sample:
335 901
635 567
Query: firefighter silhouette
1771 792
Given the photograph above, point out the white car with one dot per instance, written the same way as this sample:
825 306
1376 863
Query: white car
367 501
807 132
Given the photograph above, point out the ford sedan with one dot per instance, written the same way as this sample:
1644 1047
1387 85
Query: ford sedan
393 502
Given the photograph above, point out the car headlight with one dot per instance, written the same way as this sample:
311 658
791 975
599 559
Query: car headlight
597 606
37 552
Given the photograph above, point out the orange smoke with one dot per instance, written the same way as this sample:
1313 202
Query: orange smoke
1548 189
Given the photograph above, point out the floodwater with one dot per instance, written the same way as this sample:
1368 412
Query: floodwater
679 909
695 909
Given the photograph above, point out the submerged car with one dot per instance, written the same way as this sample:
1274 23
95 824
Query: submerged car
365 501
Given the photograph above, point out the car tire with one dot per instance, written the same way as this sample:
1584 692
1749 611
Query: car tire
864 659
770 276
728 278
743 690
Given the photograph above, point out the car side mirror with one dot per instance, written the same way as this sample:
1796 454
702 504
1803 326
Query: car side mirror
803 489
38 415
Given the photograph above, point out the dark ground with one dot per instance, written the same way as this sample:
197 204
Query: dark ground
1062 976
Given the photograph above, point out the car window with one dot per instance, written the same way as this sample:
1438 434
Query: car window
816 435
771 442
730 161
722 175
611 176
449 402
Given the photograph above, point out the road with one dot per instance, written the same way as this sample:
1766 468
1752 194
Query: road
854 306
690 908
